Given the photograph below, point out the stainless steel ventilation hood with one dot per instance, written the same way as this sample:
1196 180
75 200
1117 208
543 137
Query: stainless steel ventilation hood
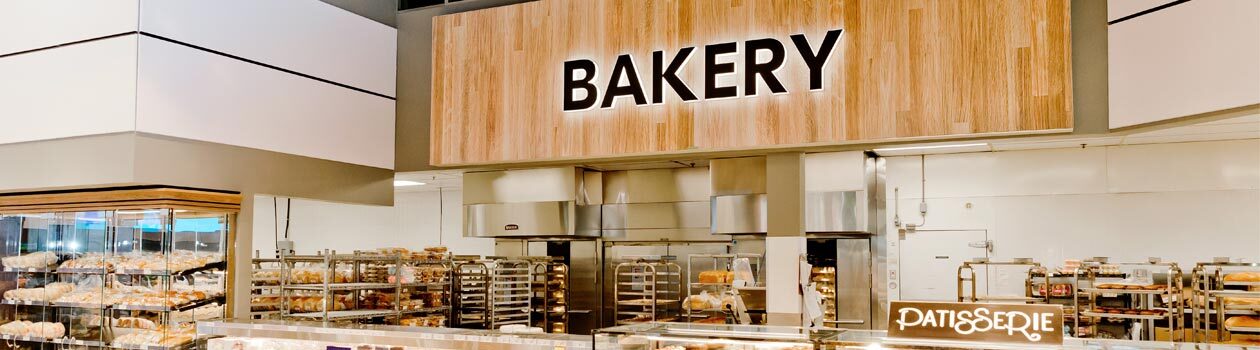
655 204
546 203
738 200
837 193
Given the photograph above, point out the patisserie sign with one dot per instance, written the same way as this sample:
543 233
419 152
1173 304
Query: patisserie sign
1004 323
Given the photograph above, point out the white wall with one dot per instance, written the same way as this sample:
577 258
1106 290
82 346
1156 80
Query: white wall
1191 58
189 93
84 89
33 24
307 36
1184 202
286 75
412 223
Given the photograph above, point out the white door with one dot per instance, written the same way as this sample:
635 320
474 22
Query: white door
930 261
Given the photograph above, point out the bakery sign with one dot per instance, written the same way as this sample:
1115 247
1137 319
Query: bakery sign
581 92
1002 323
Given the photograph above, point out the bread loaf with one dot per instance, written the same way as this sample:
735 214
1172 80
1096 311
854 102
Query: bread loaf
1243 277
712 276
1243 321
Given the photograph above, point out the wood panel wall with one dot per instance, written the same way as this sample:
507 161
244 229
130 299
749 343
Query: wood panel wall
902 69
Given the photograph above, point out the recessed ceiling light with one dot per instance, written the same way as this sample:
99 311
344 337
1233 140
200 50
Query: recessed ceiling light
404 183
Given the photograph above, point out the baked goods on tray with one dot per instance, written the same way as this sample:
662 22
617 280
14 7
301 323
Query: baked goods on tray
1242 277
1243 321
37 260
48 330
52 291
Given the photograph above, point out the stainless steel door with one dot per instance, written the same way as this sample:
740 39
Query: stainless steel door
853 283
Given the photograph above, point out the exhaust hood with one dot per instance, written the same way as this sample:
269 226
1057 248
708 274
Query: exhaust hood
548 203
738 200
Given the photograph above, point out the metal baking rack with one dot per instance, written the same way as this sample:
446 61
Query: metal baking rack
967 276
264 292
1214 299
1146 304
432 277
647 290
550 294
360 284
715 262
472 278
509 292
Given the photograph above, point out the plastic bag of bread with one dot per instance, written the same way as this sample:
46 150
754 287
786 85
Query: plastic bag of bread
702 301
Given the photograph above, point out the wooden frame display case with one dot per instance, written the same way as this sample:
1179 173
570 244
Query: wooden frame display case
118 268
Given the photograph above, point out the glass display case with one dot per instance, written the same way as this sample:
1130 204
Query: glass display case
121 278
272 334
693 336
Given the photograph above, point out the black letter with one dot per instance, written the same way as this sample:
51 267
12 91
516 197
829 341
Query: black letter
670 75
712 69
818 61
625 65
766 70
571 84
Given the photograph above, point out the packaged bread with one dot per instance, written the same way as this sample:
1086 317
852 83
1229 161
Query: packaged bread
1243 321
1242 277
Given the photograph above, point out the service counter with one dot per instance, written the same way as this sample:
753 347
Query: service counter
268 334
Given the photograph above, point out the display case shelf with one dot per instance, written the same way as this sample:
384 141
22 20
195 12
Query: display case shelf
184 307
215 266
1116 291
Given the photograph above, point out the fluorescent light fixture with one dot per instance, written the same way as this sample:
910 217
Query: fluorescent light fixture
916 148
405 183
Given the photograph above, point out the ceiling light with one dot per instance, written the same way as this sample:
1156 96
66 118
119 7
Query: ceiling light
915 148
405 183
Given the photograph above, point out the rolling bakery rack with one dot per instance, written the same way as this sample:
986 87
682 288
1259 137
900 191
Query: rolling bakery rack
1218 295
510 291
967 276
264 298
472 281
113 268
550 294
647 290
1141 303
